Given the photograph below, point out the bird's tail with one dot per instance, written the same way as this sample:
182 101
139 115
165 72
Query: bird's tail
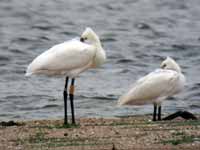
28 74
120 101
28 71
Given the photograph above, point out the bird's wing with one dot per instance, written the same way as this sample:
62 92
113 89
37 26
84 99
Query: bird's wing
64 57
160 83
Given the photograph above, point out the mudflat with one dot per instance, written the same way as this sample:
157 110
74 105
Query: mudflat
124 133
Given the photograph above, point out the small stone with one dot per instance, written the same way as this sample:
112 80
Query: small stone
65 134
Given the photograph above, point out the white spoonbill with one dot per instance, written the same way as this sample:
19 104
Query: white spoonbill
156 87
70 59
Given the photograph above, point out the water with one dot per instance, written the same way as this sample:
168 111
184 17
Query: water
137 36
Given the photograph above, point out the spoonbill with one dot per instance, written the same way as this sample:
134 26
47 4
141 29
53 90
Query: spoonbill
70 59
156 87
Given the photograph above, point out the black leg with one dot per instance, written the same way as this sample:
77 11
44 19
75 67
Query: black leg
65 94
71 96
154 111
159 113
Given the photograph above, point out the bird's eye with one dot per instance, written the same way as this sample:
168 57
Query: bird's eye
83 39
163 66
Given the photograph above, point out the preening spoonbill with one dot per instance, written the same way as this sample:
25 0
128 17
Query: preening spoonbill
70 59
156 87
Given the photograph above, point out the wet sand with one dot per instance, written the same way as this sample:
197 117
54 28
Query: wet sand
135 132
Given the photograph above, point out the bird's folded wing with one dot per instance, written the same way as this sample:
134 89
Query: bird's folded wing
150 87
65 56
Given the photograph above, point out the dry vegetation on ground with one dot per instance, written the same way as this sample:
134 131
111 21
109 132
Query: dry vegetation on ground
136 132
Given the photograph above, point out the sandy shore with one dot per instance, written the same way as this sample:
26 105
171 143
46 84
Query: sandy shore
136 132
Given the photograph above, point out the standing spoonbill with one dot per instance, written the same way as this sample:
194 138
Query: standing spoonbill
156 87
70 59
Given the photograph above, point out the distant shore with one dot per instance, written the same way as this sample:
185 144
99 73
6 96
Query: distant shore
136 132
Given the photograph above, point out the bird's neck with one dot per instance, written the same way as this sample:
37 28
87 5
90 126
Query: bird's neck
100 57
98 44
97 41
177 68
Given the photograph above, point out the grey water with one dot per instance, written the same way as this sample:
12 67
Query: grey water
136 34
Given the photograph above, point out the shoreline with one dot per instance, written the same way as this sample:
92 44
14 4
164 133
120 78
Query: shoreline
135 132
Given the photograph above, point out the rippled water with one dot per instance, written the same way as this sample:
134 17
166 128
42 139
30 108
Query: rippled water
137 36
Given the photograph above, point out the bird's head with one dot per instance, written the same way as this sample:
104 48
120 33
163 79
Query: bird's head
170 64
89 35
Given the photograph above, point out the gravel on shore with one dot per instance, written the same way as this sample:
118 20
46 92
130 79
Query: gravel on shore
135 132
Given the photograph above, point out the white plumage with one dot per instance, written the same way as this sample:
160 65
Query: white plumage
156 86
69 58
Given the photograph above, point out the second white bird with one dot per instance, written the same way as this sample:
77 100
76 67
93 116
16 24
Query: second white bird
155 87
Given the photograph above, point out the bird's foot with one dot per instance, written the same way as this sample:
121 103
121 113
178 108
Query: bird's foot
71 125
184 114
